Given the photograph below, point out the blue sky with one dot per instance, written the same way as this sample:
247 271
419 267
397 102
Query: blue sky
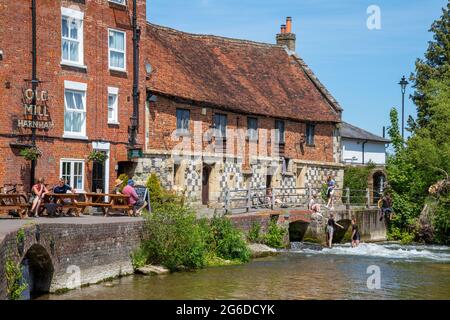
360 67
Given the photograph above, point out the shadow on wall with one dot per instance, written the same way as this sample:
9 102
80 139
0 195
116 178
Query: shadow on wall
297 231
339 234
38 271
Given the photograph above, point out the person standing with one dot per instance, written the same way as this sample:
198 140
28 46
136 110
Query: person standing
331 227
39 191
356 237
133 198
331 185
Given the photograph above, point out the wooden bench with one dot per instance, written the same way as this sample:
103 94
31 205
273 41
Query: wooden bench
14 202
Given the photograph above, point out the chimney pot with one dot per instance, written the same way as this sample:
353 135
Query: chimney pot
288 25
283 28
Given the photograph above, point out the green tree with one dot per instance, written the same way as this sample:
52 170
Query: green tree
435 66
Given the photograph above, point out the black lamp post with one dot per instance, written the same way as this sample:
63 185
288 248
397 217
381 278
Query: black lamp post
403 83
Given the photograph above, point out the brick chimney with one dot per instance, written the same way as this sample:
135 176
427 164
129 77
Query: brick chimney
286 37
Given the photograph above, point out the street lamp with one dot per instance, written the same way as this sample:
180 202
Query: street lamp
403 83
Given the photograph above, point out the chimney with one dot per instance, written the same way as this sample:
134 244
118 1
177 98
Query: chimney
286 37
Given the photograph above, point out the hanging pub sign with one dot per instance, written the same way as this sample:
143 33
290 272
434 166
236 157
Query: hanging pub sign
35 110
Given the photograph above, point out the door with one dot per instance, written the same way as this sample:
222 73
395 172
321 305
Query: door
98 176
205 184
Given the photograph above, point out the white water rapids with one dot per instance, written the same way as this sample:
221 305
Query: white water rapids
410 253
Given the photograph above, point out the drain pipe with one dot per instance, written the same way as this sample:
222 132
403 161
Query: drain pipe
34 84
363 151
135 117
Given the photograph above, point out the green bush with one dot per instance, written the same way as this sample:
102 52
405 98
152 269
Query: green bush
139 258
158 195
226 241
357 179
254 235
275 235
14 280
173 238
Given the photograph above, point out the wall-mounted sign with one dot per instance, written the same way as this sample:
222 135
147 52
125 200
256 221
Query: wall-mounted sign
35 110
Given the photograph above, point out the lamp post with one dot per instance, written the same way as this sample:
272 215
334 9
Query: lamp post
403 83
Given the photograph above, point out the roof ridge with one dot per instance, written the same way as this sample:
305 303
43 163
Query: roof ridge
380 138
211 36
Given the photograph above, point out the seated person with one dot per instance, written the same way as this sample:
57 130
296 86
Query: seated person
62 188
314 205
133 199
38 193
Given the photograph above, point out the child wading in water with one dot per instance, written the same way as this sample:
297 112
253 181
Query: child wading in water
331 226
356 237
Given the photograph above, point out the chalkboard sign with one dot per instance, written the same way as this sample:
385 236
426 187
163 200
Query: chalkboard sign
144 195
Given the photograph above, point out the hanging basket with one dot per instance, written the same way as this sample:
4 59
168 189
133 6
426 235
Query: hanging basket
97 156
31 154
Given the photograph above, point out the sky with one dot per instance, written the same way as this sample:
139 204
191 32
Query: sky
361 67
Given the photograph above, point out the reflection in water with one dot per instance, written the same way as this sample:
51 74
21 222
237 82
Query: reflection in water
304 272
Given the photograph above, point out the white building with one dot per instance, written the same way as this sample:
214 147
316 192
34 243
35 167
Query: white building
361 147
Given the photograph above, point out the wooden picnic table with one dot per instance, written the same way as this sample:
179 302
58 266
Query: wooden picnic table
64 200
106 202
14 202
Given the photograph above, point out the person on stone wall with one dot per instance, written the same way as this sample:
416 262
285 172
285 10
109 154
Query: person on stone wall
331 186
314 205
38 192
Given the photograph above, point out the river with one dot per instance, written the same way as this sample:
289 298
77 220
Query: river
303 272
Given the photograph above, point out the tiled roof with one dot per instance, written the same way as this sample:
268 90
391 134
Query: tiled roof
352 132
237 75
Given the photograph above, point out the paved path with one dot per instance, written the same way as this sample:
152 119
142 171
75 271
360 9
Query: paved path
9 225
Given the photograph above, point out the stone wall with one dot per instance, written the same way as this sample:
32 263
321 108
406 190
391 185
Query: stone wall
98 250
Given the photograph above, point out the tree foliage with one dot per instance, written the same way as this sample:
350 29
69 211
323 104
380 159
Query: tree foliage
435 66
424 160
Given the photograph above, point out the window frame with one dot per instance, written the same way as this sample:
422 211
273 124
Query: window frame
183 131
76 87
72 175
222 135
115 119
70 15
308 136
124 69
255 137
118 3
280 139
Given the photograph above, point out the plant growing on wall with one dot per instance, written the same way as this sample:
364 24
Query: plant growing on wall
14 280
97 156
20 241
31 154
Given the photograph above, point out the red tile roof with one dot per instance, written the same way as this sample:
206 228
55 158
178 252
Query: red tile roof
236 75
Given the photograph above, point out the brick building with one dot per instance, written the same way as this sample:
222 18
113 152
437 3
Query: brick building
84 64
226 114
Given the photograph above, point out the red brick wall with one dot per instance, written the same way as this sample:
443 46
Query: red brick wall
15 41
163 123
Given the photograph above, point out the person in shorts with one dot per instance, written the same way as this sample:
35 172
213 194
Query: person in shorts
356 237
331 227
331 185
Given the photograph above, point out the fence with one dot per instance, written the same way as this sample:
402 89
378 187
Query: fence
270 198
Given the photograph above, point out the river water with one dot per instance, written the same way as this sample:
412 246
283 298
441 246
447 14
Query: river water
303 272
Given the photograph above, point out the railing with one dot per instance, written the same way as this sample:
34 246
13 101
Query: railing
290 197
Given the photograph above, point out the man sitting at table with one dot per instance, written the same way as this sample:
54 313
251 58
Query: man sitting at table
133 198
61 188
